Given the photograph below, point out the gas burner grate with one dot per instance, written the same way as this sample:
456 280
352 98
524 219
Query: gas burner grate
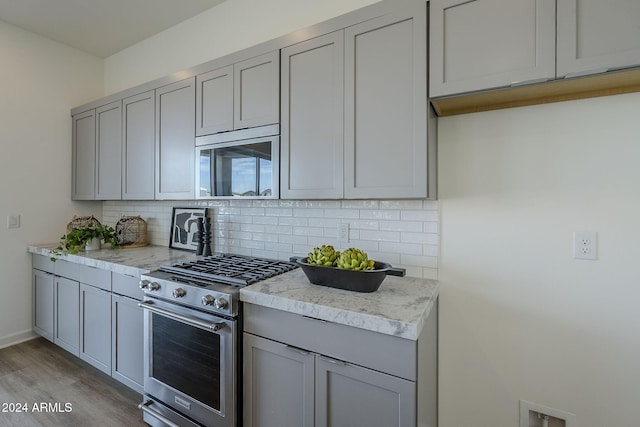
232 269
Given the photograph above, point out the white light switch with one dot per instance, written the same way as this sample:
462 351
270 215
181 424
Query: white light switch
13 221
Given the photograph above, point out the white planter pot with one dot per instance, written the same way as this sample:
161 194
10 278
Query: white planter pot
93 244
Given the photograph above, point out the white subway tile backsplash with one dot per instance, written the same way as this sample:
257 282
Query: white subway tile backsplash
404 233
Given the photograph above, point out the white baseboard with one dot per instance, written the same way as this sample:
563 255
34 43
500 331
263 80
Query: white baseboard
17 338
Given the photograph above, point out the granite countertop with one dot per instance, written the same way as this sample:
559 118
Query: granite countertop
131 261
399 307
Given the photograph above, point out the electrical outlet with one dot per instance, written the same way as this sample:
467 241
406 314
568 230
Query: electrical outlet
585 245
343 233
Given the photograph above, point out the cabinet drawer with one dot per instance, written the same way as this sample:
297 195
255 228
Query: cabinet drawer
84 274
381 352
126 285
43 263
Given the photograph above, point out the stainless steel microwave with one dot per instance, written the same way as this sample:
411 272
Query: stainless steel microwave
247 168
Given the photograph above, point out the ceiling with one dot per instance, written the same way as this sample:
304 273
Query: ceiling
100 27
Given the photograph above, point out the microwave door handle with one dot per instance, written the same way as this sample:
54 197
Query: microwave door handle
215 327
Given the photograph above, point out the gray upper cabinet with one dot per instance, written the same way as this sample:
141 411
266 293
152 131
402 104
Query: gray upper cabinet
483 44
311 131
256 91
386 140
84 156
109 152
214 101
175 141
238 96
138 147
596 35
354 112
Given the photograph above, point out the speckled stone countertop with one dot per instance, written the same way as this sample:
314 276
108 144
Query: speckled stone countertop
131 261
399 307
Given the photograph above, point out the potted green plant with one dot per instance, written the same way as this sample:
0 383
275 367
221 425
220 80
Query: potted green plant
86 237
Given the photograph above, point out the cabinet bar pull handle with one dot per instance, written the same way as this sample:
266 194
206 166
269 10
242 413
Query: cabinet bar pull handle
334 361
298 350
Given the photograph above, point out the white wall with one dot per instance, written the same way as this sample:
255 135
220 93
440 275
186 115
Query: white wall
40 81
520 318
229 27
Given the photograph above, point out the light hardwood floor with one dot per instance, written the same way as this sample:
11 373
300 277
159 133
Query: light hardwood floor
58 389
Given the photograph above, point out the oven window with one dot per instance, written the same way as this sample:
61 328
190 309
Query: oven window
188 359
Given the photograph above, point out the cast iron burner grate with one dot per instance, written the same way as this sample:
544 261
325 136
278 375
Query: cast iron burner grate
231 269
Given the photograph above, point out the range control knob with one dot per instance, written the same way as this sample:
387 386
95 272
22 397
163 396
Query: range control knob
221 303
208 300
144 284
179 293
154 286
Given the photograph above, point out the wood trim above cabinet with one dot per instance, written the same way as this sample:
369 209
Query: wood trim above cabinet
611 83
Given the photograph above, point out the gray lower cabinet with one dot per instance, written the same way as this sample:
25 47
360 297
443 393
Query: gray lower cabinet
354 112
95 327
67 314
138 147
175 141
300 371
350 395
594 36
43 307
93 314
278 384
127 330
483 44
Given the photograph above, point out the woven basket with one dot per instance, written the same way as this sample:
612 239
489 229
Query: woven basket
82 221
131 232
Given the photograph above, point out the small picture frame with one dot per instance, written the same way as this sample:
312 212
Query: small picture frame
184 227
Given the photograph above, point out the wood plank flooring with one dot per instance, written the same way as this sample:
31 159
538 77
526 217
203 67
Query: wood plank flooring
59 389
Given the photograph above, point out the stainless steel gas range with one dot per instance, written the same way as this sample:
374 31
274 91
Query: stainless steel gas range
192 334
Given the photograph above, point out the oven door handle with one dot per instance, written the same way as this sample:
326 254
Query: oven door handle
215 327
144 407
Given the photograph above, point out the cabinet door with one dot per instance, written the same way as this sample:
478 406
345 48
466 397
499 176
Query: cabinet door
386 107
278 384
349 395
255 91
67 314
175 140
83 156
596 35
483 44
127 352
214 101
109 152
312 118
138 147
43 283
95 327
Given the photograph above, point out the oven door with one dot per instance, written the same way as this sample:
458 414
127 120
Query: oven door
190 363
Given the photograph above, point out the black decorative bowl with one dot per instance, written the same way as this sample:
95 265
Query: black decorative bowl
350 280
